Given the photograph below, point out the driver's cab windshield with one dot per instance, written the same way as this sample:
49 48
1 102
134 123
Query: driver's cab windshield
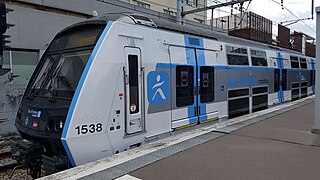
60 69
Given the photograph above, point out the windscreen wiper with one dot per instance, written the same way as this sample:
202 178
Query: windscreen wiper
35 85
53 78
43 77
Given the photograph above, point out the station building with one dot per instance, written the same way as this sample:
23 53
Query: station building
36 22
170 7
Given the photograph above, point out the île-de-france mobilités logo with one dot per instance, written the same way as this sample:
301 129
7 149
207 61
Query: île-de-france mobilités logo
158 87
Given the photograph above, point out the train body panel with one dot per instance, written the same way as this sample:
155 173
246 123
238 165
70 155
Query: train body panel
141 82
81 120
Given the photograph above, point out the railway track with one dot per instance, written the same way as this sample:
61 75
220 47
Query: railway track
11 169
6 162
9 165
5 154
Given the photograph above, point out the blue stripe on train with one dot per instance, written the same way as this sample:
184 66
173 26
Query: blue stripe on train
191 43
201 62
77 92
280 65
190 55
166 65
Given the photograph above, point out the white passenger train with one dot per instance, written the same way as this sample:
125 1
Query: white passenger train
113 83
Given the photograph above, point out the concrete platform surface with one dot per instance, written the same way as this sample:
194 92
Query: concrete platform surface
280 147
273 143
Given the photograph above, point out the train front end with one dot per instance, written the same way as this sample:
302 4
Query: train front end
44 107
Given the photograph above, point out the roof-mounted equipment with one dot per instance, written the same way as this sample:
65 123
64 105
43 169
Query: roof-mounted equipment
143 20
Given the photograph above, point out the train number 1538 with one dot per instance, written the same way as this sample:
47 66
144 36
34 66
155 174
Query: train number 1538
92 128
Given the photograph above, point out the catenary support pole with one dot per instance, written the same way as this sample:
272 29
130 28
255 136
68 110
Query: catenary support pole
211 20
180 5
316 128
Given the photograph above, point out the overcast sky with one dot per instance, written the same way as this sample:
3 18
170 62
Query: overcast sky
274 12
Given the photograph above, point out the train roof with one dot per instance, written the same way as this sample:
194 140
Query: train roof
185 29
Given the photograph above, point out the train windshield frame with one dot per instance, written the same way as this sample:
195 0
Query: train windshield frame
60 69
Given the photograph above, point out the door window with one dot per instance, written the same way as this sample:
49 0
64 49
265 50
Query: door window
133 83
284 79
206 84
276 80
184 86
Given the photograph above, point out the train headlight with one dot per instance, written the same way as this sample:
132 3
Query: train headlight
59 125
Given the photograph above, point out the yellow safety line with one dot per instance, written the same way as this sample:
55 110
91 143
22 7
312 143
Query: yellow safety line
185 126
190 125
209 120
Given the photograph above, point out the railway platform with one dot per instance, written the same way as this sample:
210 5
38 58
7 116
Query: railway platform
276 143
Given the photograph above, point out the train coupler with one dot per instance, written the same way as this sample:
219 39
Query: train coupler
54 164
28 154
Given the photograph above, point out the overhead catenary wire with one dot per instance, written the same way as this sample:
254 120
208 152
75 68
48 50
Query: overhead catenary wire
213 7
299 19
306 26
185 1
244 12
232 8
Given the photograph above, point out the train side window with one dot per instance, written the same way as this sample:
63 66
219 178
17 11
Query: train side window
294 62
237 56
258 58
238 102
134 82
238 93
184 86
303 63
259 98
276 80
206 84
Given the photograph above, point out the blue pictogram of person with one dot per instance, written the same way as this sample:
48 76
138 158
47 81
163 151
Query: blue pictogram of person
158 87
158 90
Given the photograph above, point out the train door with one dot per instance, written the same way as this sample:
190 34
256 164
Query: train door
133 91
207 110
193 87
184 87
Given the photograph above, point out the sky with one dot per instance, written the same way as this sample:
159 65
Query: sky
273 11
